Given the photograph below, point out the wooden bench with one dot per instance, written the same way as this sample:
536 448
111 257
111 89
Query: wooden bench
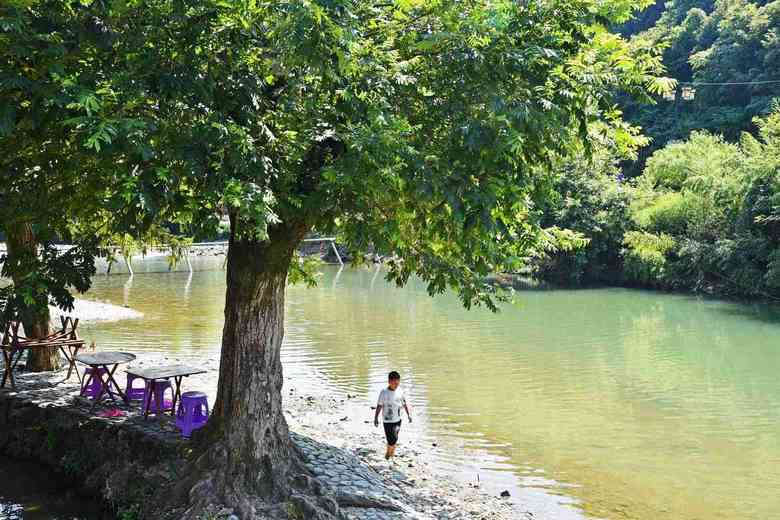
14 344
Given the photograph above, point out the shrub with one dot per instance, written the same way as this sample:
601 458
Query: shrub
644 256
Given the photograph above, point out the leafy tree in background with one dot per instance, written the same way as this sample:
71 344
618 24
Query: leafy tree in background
705 213
689 228
590 197
55 185
425 129
715 41
49 181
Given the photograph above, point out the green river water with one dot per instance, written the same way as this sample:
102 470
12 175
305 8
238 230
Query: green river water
606 403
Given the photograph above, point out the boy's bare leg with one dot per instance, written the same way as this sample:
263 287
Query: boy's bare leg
389 452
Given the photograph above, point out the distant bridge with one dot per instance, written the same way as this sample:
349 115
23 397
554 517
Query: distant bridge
204 245
224 243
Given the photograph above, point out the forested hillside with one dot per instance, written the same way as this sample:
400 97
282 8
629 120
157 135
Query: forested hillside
710 41
698 207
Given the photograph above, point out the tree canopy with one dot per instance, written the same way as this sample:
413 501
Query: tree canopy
412 127
428 130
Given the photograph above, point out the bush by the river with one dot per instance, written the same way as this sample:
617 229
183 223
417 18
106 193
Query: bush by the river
703 216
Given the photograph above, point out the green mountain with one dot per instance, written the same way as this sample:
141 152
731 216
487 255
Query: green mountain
709 41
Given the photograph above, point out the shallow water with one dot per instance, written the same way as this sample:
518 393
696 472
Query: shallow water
30 492
604 403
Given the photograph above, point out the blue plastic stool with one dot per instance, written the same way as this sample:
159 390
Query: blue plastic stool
193 412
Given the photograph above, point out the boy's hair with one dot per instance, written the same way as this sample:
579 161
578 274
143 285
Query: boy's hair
392 376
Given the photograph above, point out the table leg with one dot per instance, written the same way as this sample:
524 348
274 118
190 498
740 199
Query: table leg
103 385
107 382
12 366
66 353
70 354
75 365
176 393
84 381
8 367
111 381
148 400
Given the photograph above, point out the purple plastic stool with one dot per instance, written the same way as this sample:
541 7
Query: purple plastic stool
158 403
91 383
193 412
134 393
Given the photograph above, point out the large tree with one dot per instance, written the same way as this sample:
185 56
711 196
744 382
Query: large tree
421 129
62 128
50 182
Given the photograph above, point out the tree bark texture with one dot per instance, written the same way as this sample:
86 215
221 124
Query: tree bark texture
22 242
251 451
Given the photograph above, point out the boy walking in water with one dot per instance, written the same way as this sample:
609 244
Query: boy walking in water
391 400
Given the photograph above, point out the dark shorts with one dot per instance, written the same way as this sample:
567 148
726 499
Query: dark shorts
391 432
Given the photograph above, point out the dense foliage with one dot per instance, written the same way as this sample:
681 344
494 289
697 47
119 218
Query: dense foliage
710 41
703 217
423 128
694 210
591 198
708 211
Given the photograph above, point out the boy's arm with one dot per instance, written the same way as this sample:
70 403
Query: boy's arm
376 414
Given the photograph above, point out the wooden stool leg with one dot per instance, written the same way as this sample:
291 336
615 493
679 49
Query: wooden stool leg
69 356
74 366
71 361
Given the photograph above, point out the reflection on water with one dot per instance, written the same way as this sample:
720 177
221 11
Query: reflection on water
30 492
626 404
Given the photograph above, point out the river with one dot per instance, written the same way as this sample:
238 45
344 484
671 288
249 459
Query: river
604 403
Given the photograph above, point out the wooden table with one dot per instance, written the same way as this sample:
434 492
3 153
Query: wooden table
152 376
14 345
103 360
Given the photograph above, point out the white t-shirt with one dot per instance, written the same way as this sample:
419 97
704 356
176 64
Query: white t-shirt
391 403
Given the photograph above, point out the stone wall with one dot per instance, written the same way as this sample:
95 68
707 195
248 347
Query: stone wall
121 461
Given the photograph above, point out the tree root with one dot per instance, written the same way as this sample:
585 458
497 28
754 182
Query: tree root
206 493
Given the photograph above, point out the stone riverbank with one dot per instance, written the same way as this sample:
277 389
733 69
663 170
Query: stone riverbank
124 460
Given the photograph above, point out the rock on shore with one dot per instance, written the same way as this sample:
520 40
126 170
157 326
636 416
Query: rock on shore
90 310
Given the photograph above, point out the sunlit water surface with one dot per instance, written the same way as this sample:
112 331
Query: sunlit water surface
604 403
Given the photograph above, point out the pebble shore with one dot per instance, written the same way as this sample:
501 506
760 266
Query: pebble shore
347 459
365 486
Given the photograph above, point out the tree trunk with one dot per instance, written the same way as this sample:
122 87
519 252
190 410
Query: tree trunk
22 242
249 451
